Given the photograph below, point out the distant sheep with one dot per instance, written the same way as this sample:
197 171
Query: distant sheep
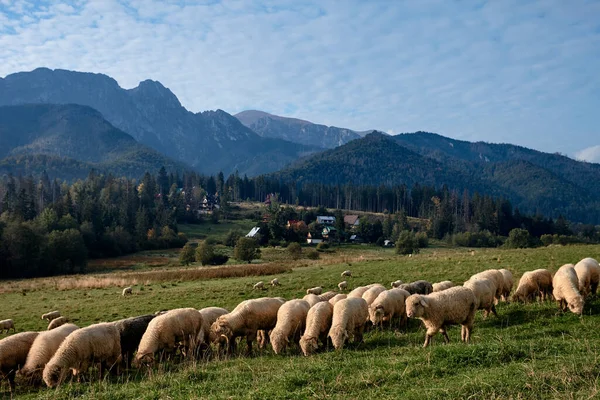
337 298
508 284
131 331
327 296
13 354
7 325
275 282
95 344
396 284
566 289
588 274
291 321
312 299
316 290
532 284
166 331
456 305
318 323
42 350
55 323
348 321
485 293
343 285
246 319
417 287
127 290
389 304
439 286
259 285
51 315
347 273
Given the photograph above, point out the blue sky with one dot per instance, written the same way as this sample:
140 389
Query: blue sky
523 72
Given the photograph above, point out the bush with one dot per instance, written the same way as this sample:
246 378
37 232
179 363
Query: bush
407 243
219 259
322 246
518 239
312 255
475 239
246 249
187 255
380 241
294 250
232 238
205 253
422 240
210 240
274 242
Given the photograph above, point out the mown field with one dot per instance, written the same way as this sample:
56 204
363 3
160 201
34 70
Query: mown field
530 351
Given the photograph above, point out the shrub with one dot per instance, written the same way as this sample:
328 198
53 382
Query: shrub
475 239
312 255
219 259
273 242
322 246
187 255
232 238
422 240
205 253
407 243
380 241
294 250
518 239
210 240
246 249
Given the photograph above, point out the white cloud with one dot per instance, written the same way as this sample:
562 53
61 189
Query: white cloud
590 154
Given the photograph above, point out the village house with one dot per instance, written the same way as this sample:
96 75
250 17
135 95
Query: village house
325 220
314 238
351 221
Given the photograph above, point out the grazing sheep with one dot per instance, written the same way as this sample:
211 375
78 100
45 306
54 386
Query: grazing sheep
358 292
95 344
495 276
275 282
316 290
508 283
43 348
396 284
131 331
13 354
588 274
371 294
259 285
312 299
166 331
485 294
327 295
246 319
346 273
209 316
7 325
318 323
417 287
337 298
127 290
55 323
291 320
438 287
389 304
532 284
348 321
456 305
51 315
566 289
343 285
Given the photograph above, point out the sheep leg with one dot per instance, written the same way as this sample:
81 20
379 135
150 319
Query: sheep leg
494 311
443 332
249 339
427 340
594 288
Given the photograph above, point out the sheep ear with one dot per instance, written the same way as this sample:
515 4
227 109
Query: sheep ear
424 303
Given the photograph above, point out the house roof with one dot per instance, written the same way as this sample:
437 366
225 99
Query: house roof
253 232
329 229
350 219
325 218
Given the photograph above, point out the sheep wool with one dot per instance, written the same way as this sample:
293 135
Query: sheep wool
55 323
7 325
343 285
291 320
371 294
358 292
566 289
131 331
532 284
51 315
346 273
485 294
43 348
508 283
127 290
348 321
417 287
439 286
95 344
13 354
495 276
209 316
166 331
259 285
316 290
337 298
327 295
456 305
588 274
275 282
318 323
396 284
389 304
312 299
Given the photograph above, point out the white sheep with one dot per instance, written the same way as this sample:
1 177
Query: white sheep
327 295
127 290
346 273
456 305
246 320
532 284
371 294
396 284
318 323
316 290
7 325
312 299
439 286
95 344
348 321
508 284
55 323
389 304
51 315
343 285
260 285
275 282
566 289
485 294
358 292
13 354
495 276
337 298
291 320
42 350
166 331
588 274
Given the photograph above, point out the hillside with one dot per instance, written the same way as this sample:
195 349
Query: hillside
296 130
68 140
380 159
209 141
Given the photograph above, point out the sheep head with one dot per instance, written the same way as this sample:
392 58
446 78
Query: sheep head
416 305
576 306
308 345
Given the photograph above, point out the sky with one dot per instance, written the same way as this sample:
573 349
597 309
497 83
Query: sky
504 71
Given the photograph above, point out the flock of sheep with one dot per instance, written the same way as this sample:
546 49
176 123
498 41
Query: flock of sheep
66 349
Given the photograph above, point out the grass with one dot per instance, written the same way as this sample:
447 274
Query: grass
216 231
530 352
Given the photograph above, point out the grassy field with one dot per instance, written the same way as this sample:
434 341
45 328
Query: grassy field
529 352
